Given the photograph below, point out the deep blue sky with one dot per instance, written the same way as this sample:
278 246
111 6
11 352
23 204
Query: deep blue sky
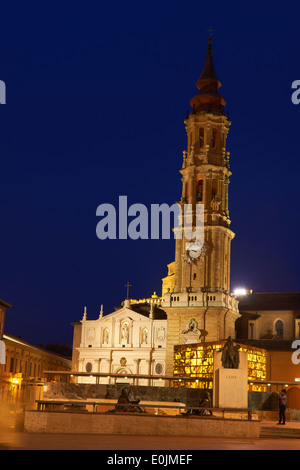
97 93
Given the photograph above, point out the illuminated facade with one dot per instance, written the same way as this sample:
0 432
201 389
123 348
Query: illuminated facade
130 340
196 361
24 368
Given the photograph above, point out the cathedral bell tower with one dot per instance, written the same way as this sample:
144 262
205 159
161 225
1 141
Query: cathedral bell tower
199 304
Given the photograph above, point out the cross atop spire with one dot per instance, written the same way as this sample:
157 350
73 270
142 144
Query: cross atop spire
210 32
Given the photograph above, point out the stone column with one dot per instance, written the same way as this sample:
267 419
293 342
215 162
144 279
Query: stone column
149 361
137 369
109 360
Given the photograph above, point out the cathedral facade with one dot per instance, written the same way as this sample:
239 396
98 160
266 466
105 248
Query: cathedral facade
129 341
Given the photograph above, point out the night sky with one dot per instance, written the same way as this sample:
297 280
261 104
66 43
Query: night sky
97 94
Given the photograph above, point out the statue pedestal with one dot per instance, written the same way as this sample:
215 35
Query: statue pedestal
230 386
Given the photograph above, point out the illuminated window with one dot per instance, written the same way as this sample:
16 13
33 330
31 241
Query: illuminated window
279 329
197 361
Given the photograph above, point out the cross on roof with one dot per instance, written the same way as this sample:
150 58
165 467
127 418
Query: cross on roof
128 285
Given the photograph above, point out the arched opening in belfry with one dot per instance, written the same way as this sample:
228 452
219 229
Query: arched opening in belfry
200 190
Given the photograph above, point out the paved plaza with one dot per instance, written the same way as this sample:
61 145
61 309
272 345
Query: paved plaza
21 441
11 440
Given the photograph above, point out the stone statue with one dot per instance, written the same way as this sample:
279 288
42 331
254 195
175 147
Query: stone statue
127 402
125 331
106 335
230 354
144 335
123 402
215 203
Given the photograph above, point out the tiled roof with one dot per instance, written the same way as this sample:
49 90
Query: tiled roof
269 301
268 344
144 309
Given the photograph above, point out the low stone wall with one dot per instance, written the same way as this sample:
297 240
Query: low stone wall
189 396
133 424
73 391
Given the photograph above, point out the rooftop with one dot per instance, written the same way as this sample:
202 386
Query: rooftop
144 309
269 301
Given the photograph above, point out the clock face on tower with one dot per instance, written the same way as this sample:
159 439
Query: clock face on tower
193 249
194 254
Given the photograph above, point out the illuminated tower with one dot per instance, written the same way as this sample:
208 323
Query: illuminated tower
199 304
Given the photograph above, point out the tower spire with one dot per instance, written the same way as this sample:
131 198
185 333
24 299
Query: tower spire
208 99
208 72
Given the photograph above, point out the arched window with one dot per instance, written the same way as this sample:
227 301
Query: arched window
279 329
200 190
213 139
201 137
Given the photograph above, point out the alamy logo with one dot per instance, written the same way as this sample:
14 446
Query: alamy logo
137 222
2 92
295 95
295 355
